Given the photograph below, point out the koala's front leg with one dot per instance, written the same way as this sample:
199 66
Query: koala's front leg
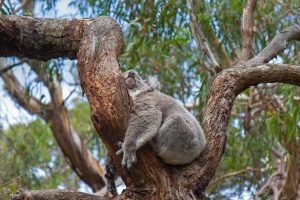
142 127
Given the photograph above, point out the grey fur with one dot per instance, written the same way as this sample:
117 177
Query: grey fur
174 133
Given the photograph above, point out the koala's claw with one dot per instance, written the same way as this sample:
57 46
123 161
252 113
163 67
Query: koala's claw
120 151
129 156
120 144
129 159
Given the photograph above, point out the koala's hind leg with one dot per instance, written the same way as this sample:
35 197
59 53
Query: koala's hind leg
178 140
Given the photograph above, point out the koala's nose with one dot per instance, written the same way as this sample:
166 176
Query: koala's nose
131 74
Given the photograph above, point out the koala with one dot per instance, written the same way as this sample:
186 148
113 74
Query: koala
158 119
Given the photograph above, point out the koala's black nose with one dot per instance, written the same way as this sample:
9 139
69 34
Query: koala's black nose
131 74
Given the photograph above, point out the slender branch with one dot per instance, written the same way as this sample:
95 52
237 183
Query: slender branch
16 90
276 46
201 41
36 66
54 194
24 3
70 94
247 31
10 67
247 169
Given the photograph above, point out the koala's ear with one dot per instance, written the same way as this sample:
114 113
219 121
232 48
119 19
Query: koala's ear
153 82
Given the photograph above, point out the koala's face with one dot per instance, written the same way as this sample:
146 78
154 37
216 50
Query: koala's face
132 80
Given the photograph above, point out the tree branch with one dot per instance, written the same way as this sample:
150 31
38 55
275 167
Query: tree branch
16 90
276 46
247 169
224 89
36 66
247 31
100 47
40 38
201 42
79 157
54 194
10 67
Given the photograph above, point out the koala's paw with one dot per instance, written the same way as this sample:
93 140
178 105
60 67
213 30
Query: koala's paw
129 155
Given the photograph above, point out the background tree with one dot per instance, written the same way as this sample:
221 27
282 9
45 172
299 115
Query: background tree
160 42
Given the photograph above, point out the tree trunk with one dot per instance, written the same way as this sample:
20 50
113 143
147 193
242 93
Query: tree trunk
100 47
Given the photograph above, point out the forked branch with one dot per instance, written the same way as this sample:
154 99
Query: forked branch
276 46
201 41
224 89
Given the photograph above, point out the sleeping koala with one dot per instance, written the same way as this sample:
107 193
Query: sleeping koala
174 133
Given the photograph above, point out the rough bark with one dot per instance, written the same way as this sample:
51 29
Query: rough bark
55 194
56 114
41 39
99 73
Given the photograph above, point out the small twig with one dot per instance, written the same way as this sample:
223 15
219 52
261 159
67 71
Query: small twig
21 7
276 46
7 68
247 30
247 169
36 66
201 42
67 98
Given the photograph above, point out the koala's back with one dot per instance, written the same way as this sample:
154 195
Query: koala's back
166 104
180 138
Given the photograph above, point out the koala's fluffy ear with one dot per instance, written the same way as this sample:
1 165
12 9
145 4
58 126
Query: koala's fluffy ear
153 82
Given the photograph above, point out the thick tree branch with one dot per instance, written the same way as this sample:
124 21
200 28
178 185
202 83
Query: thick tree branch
247 31
201 42
40 38
226 86
54 194
276 46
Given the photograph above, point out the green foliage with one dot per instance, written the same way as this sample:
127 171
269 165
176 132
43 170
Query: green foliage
30 159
